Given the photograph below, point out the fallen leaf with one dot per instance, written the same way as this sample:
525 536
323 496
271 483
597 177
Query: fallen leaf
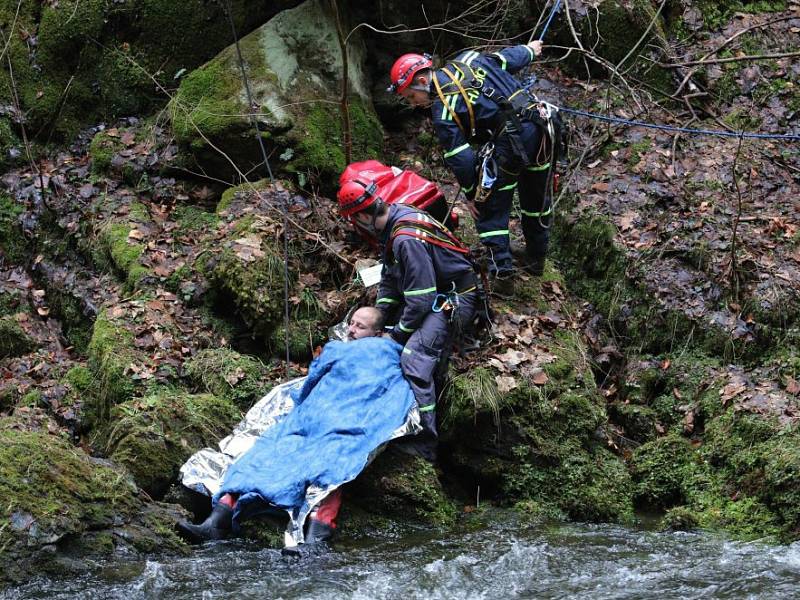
505 384
540 377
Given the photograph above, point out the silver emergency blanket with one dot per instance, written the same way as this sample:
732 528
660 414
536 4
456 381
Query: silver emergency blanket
205 471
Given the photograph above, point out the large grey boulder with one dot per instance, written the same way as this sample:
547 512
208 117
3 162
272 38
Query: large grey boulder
294 66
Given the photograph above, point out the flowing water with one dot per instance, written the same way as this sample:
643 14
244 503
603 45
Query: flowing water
498 561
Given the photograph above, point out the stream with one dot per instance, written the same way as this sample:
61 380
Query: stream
498 560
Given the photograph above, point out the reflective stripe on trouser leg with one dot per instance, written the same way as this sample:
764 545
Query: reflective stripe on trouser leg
492 224
535 211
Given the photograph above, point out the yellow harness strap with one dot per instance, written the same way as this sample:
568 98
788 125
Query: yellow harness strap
463 93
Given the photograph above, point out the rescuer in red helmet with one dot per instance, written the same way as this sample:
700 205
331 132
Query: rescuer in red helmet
428 290
476 102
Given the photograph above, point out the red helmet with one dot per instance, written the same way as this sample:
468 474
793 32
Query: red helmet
404 69
355 195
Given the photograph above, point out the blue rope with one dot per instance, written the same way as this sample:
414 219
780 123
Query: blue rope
553 12
721 133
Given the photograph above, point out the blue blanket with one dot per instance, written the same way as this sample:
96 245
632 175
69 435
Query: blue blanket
354 399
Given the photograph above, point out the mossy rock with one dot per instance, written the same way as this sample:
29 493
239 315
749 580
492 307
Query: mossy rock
13 339
225 373
403 486
102 149
13 244
154 435
537 443
210 114
304 336
111 351
123 251
599 270
662 471
96 60
54 494
639 422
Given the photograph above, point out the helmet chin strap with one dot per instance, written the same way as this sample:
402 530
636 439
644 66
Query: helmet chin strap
372 228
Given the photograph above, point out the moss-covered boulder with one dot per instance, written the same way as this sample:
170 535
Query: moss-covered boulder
13 339
77 62
154 435
119 243
56 497
541 443
403 487
295 68
12 243
226 373
111 352
615 31
246 269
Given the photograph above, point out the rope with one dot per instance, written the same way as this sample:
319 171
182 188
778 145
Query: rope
553 12
250 104
712 132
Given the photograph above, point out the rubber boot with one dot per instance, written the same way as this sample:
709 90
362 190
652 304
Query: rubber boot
216 527
502 283
317 537
534 265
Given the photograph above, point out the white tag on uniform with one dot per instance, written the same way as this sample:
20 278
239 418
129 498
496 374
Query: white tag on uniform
371 275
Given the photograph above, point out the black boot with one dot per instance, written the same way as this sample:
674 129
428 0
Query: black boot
316 541
534 265
216 527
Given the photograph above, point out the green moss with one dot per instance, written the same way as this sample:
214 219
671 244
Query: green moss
662 471
639 422
52 489
225 373
717 13
320 144
637 149
8 142
305 334
12 242
256 287
206 102
79 378
101 150
406 487
153 436
13 339
12 302
111 351
587 484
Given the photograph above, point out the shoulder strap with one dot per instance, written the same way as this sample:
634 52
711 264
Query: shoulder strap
455 81
429 231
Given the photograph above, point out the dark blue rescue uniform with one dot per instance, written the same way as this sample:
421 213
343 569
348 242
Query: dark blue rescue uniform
415 271
494 72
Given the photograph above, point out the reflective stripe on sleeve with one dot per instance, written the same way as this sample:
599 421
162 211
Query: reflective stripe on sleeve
405 329
530 51
387 301
428 408
503 61
510 186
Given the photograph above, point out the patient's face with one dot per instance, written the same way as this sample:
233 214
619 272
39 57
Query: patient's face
361 325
